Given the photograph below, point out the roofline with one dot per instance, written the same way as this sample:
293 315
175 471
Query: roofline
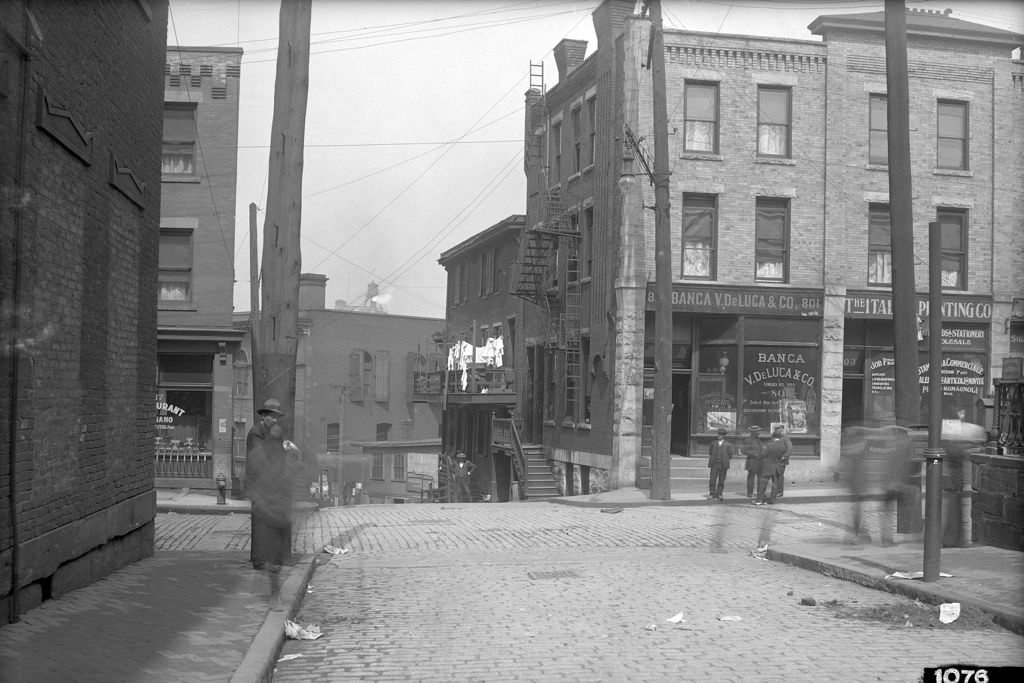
193 48
964 31
516 221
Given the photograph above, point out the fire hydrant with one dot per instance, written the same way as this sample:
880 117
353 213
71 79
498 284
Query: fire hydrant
222 489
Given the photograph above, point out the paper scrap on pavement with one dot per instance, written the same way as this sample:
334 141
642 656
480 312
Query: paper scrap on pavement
296 632
288 658
334 550
611 511
949 612
914 575
761 553
730 618
676 619
651 627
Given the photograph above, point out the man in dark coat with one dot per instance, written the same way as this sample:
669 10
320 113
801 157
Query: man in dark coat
461 472
752 449
780 477
774 450
719 455
271 471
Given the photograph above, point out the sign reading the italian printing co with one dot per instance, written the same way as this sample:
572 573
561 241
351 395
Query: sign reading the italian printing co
742 300
879 305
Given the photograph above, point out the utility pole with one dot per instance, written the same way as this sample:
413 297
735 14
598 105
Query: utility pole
904 297
254 292
934 453
282 259
661 461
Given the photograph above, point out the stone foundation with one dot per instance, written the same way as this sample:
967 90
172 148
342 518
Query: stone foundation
997 510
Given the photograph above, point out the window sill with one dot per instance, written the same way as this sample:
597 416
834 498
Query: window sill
701 156
194 180
575 176
568 424
772 161
583 426
549 423
876 167
170 306
586 280
587 169
555 188
958 173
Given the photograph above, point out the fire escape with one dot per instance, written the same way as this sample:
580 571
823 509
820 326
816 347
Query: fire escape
547 271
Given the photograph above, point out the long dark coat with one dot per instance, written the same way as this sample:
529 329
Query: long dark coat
754 450
270 476
774 452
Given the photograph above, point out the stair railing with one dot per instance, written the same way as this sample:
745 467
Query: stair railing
505 433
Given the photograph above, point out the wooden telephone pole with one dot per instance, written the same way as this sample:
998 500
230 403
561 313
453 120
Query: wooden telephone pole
274 364
661 461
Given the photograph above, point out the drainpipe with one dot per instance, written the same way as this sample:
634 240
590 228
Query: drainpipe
14 334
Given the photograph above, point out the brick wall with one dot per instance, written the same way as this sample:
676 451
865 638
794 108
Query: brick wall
997 510
84 238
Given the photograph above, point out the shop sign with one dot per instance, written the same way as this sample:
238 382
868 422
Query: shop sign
1017 339
166 414
879 305
738 301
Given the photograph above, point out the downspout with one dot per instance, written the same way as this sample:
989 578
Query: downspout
14 334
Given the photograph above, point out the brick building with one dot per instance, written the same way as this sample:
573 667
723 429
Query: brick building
197 341
354 387
779 220
80 118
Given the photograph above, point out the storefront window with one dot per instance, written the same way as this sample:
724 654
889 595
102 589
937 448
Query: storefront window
184 418
780 385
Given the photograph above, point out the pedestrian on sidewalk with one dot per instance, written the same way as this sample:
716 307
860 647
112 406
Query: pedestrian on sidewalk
770 461
273 465
752 449
719 455
780 478
461 473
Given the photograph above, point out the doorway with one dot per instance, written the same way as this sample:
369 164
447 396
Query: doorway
680 437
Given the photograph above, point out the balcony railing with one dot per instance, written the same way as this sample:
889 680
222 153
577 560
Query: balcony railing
183 461
480 380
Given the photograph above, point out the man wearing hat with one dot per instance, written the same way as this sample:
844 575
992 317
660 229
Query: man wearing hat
753 450
271 470
461 472
719 454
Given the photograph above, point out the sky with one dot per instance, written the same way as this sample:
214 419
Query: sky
414 121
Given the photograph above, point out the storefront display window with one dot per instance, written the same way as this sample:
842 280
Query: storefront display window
780 385
184 403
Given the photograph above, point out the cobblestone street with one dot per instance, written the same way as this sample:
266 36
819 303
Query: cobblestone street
535 591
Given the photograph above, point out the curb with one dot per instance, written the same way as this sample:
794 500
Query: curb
1008 619
738 500
261 658
201 509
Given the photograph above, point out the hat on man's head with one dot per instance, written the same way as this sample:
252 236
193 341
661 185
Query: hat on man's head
270 407
723 430
753 428
460 454
778 429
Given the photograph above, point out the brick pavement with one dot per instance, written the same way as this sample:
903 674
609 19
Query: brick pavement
553 593
527 591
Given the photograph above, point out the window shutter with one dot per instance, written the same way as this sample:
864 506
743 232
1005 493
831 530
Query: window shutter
410 375
381 375
355 376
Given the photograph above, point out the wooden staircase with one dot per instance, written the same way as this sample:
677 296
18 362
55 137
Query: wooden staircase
540 483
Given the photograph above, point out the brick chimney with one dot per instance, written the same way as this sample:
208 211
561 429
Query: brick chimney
569 54
312 292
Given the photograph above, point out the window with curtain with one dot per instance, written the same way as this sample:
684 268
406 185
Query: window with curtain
773 121
953 227
175 266
179 140
771 228
878 130
699 234
879 245
701 117
952 143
